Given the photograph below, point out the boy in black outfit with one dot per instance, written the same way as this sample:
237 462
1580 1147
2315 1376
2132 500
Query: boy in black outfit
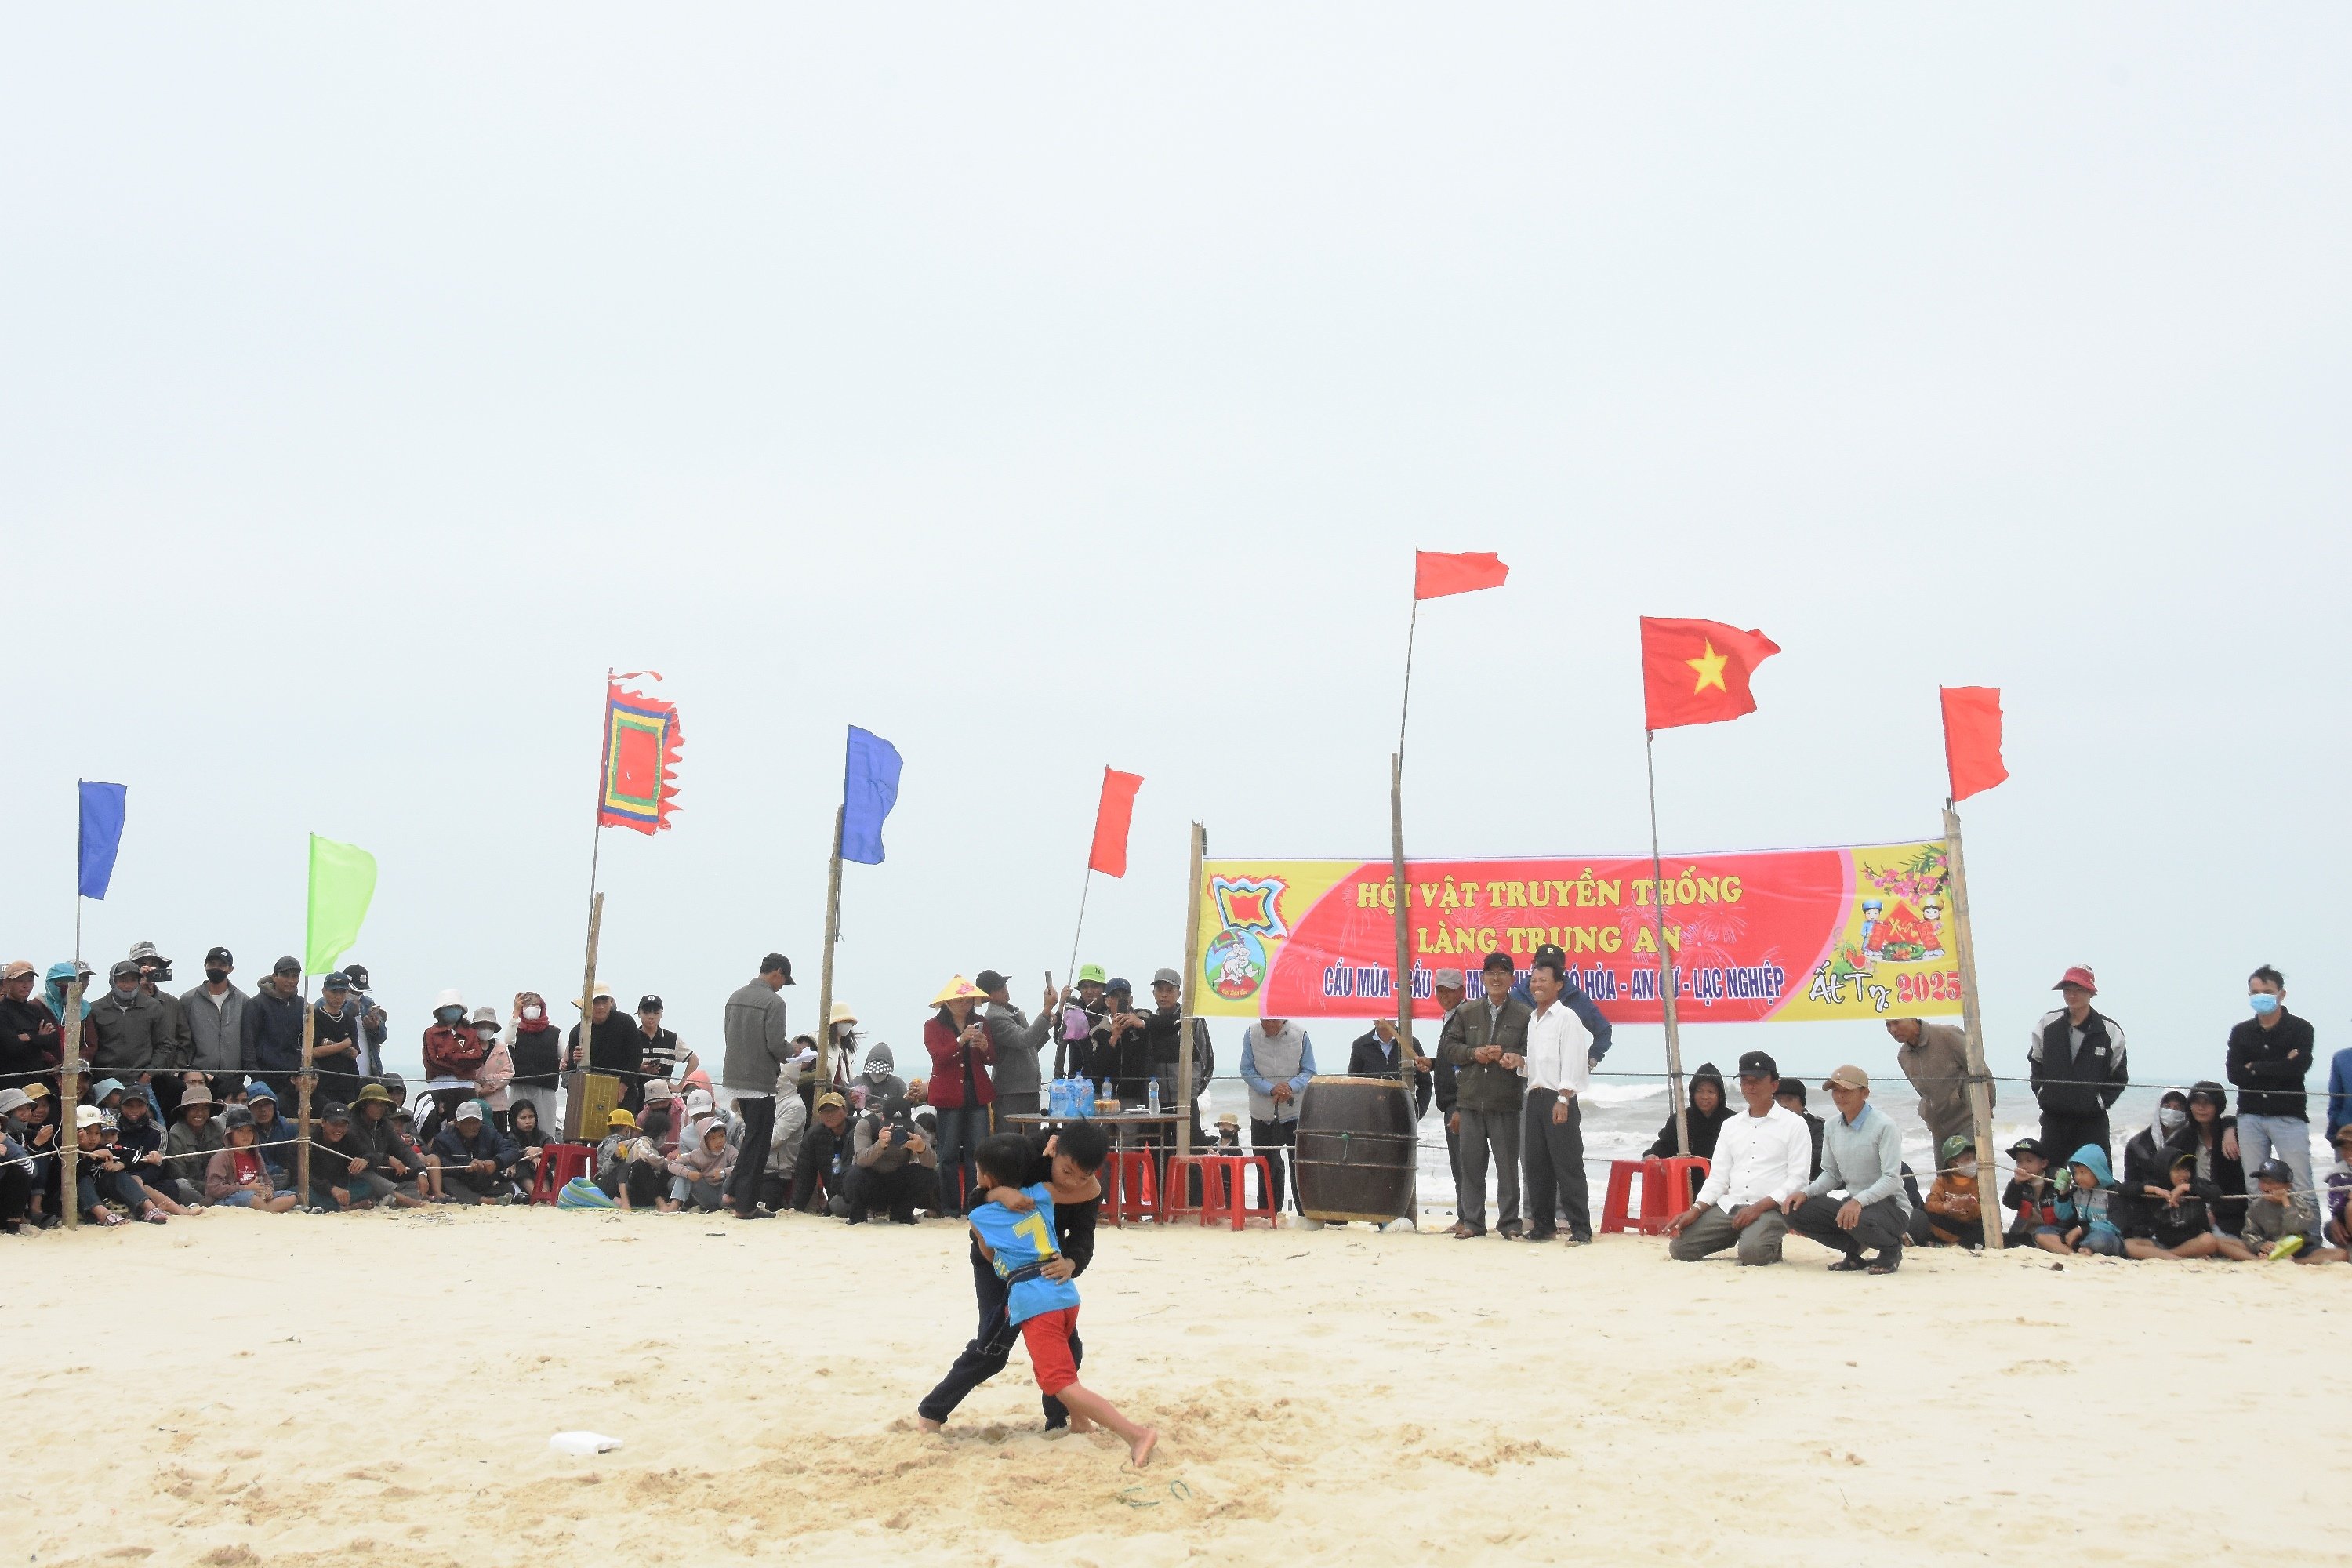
1066 1162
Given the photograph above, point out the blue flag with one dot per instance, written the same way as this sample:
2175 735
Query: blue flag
101 836
868 794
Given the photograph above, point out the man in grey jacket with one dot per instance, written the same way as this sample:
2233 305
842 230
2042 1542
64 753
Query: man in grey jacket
1935 1058
1862 1156
215 1016
1017 1043
758 1046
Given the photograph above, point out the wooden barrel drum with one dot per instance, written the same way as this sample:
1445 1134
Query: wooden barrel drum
1357 1149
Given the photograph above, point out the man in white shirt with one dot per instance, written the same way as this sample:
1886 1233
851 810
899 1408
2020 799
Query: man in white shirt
1760 1159
1558 1065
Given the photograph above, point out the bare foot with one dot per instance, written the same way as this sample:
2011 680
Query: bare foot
1141 1449
925 1424
1081 1423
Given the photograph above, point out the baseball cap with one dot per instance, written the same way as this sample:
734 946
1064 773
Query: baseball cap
286 966
336 1113
1757 1064
2029 1146
2274 1171
1119 987
1790 1088
649 1003
1847 1077
127 966
219 956
831 1102
1552 954
358 975
337 981
2080 974
1170 977
775 961
1952 1148
16 970
989 980
1447 980
2181 1157
1501 960
88 1116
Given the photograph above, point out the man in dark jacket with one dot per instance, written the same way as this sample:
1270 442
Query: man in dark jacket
1484 1039
2075 1064
153 970
31 1044
1375 1055
1164 1044
759 1044
2269 1054
273 1031
1017 1043
823 1167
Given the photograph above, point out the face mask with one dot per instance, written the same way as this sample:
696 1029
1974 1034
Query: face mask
216 975
534 1013
2170 1119
1965 1170
450 1014
123 993
2263 1004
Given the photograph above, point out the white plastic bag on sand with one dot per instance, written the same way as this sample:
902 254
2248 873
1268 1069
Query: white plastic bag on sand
582 1443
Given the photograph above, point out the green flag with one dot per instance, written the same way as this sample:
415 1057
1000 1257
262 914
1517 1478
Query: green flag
342 880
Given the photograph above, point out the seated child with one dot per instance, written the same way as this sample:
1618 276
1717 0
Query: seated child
1021 1247
2339 1190
2031 1193
2177 1221
2276 1226
103 1172
629 1167
699 1170
2086 1221
1953 1205
239 1176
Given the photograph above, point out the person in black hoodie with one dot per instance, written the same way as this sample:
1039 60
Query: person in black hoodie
2213 1137
273 1030
1708 1112
2173 1217
2147 1156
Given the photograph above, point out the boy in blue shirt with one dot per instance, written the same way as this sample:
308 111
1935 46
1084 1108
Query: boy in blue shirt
1019 1246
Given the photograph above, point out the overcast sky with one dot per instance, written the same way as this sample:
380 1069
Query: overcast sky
1047 389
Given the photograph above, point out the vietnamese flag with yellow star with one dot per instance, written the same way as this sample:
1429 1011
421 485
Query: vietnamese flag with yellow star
1695 672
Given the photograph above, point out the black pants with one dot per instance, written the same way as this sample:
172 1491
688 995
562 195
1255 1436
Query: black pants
902 1192
990 1349
645 1183
1881 1227
2063 1132
759 1112
1274 1140
1553 1155
16 1194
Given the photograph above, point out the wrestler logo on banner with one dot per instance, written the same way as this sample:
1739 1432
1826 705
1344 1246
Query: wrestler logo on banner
1249 913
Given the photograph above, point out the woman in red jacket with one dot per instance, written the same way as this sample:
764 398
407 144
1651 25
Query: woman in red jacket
961 1090
452 1050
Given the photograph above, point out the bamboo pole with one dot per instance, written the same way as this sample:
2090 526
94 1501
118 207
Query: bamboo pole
1973 1023
582 1055
1667 982
68 1097
1406 1051
302 1102
1186 1093
825 969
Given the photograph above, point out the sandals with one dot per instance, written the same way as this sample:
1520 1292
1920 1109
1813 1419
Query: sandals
1853 1264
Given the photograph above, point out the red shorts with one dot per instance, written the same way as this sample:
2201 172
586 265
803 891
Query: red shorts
1046 1337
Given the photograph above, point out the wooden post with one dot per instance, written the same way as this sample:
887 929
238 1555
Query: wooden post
1972 1022
588 986
825 970
1667 982
303 1103
1406 1051
1185 1091
68 1096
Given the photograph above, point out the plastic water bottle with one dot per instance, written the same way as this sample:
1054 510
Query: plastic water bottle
1152 1095
1103 1092
1056 1097
1085 1097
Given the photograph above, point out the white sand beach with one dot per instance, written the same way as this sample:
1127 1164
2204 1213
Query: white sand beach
379 1390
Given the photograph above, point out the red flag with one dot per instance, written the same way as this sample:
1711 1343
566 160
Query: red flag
1972 738
1112 814
1695 672
1436 573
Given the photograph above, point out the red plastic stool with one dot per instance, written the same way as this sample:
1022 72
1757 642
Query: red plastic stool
1235 1169
1661 1180
1134 1194
1181 1167
559 1163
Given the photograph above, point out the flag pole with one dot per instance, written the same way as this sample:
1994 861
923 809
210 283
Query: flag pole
831 935
70 1077
1085 888
1406 1050
302 1088
1972 1022
576 1088
1668 983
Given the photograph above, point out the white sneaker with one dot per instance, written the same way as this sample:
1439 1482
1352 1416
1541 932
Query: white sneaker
1300 1222
1397 1225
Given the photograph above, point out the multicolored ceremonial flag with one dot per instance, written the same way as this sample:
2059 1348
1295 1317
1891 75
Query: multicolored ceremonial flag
1696 672
641 741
